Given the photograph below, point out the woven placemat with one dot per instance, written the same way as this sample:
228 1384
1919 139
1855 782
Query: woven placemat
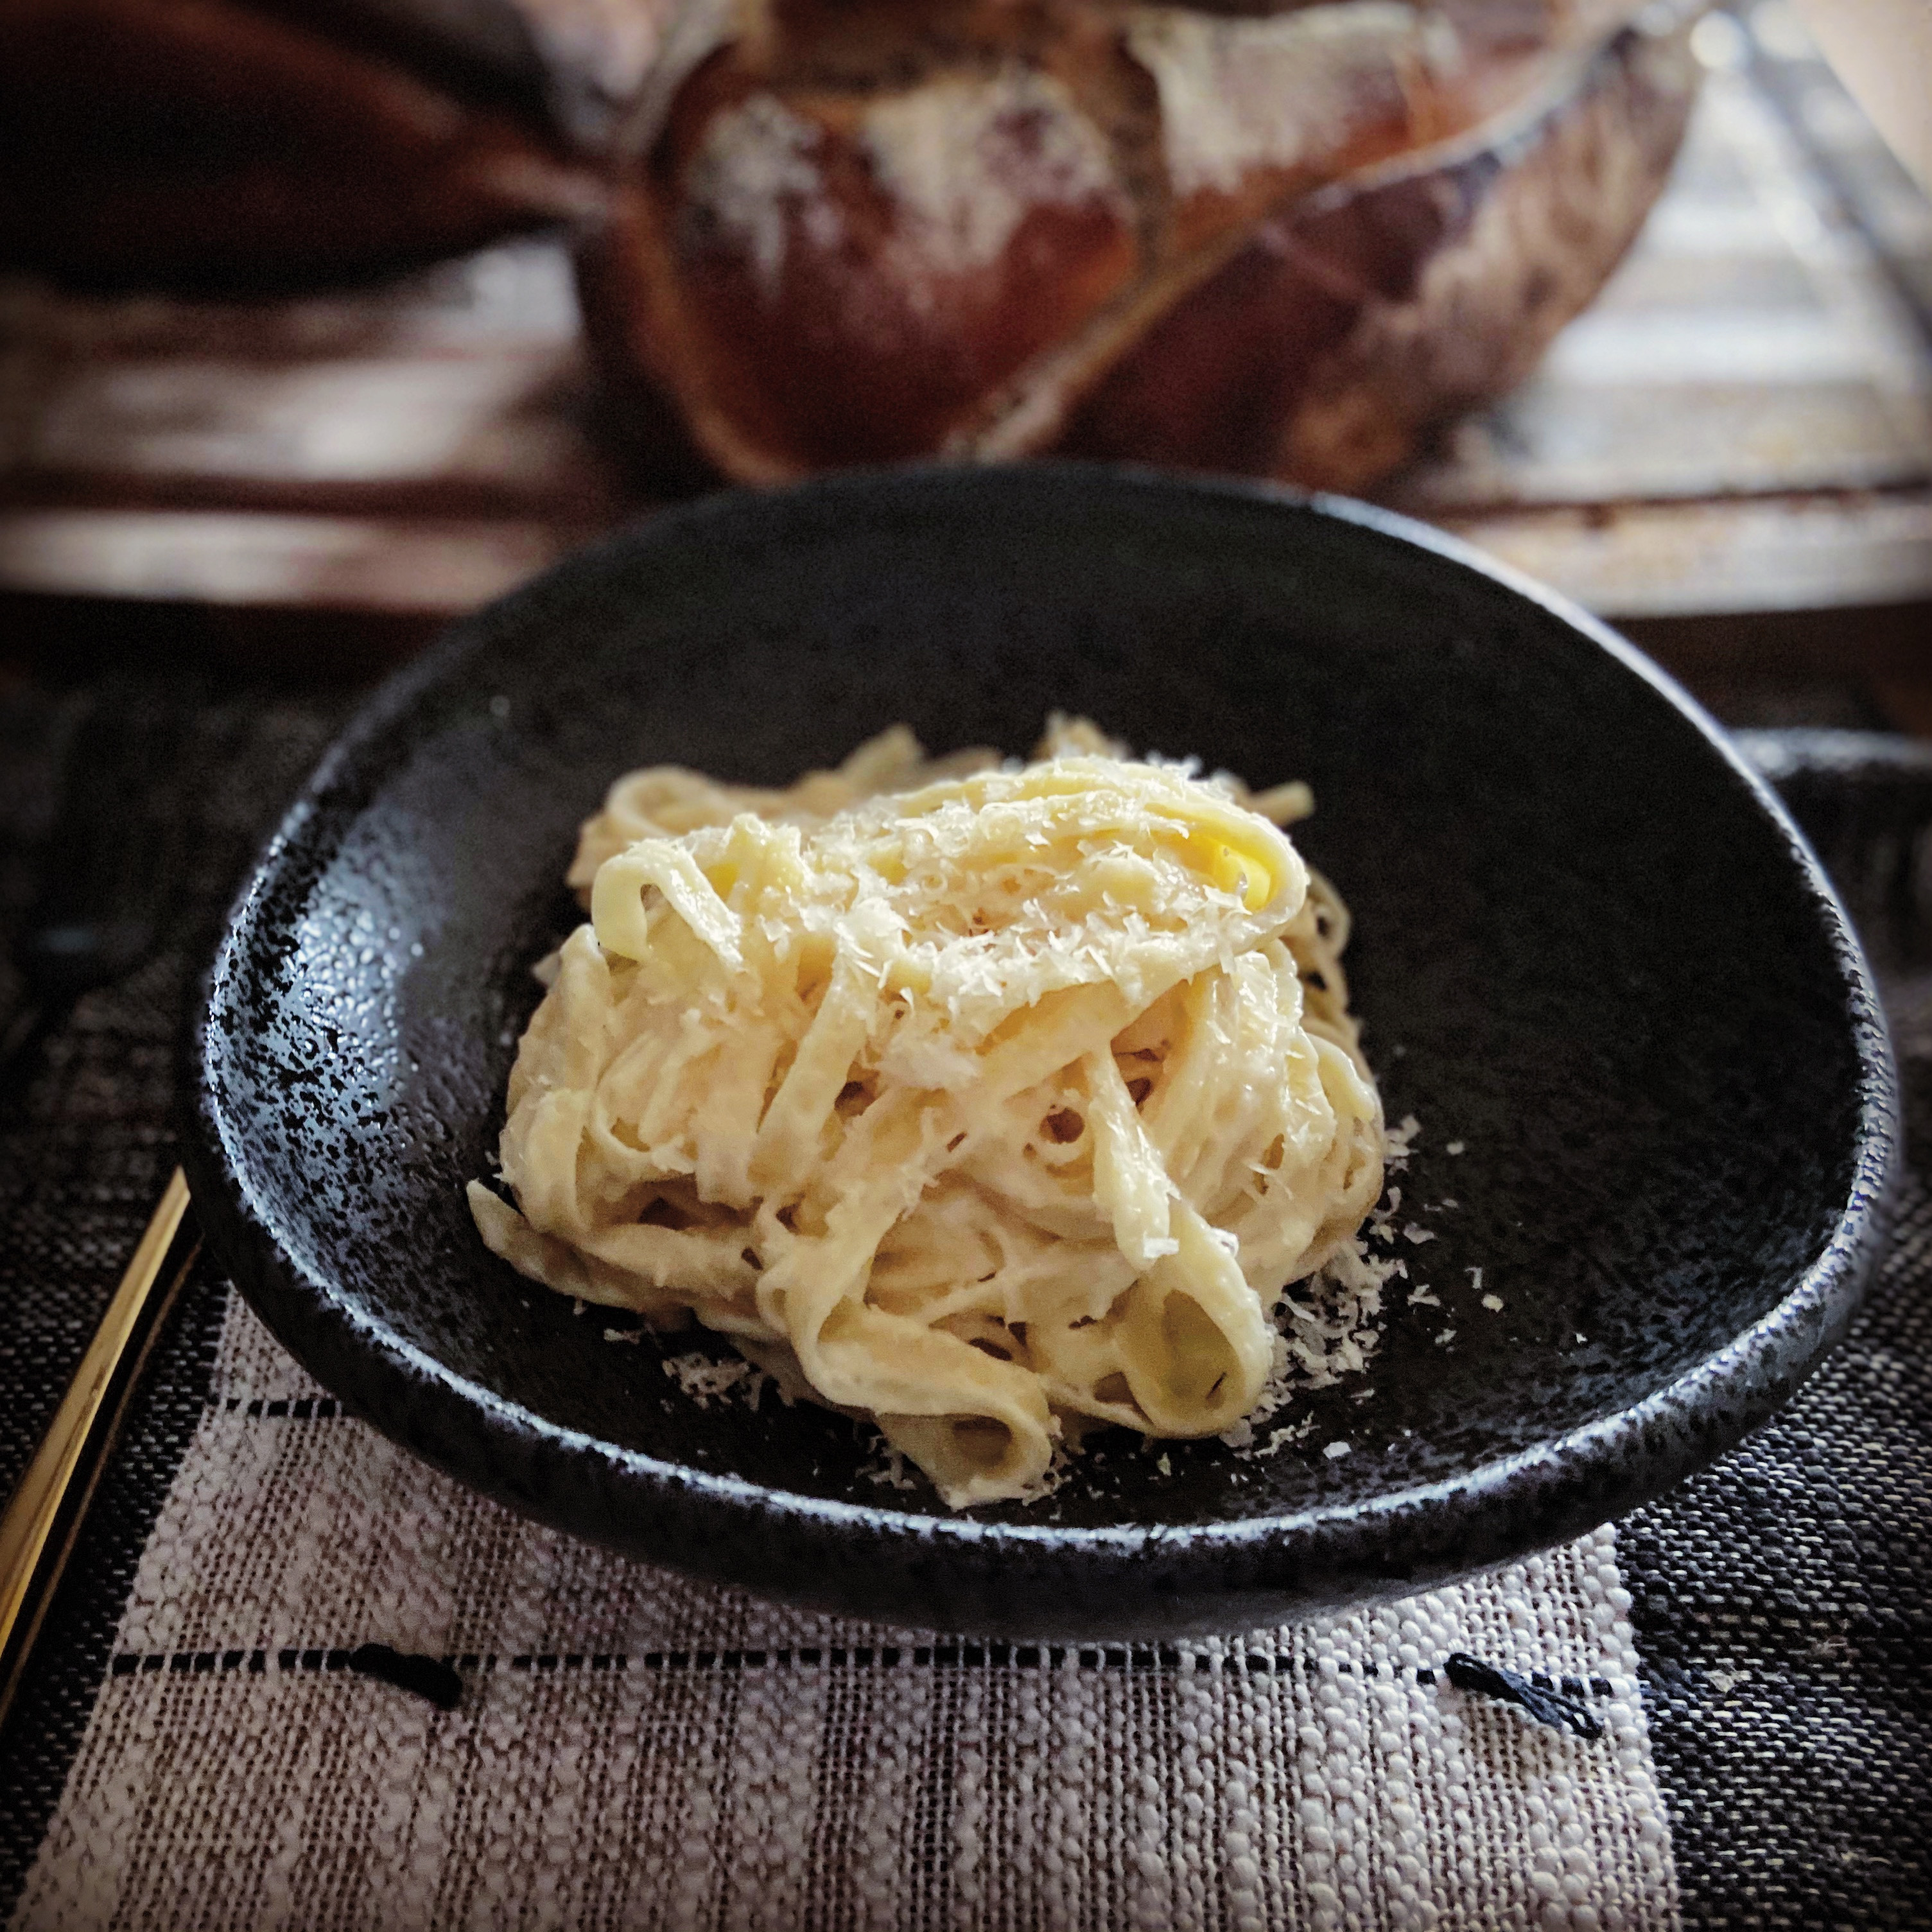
193 1745
1784 1612
628 1748
87 1141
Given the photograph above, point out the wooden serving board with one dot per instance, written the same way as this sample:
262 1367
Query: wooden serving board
1742 423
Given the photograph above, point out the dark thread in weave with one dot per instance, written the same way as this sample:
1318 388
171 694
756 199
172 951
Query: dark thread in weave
295 1409
1546 1706
407 1670
436 1678
944 1657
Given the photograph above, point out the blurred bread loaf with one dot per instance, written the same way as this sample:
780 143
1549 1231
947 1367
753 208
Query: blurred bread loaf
1262 236
1236 234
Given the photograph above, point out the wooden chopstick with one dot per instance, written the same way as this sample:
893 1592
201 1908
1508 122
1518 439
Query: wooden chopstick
37 1532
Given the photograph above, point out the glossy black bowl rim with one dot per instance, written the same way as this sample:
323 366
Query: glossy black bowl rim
1505 1507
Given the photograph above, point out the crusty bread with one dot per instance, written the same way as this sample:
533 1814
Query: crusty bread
851 230
1279 236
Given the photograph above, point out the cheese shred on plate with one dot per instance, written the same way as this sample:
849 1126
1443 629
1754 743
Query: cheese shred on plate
991 1102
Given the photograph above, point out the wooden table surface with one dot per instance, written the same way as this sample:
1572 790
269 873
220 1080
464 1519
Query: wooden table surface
1730 454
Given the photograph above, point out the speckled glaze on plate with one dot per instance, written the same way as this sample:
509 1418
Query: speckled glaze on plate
1591 952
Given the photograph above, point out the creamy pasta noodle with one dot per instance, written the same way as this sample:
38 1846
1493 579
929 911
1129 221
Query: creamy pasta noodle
992 1102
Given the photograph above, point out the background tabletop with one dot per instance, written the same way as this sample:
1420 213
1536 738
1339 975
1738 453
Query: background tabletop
1729 453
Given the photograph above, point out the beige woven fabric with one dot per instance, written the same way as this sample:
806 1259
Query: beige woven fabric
632 1750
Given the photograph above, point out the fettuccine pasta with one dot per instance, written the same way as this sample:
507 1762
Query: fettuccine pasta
991 1102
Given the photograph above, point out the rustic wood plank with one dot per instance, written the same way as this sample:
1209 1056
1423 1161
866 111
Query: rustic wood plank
434 567
1759 554
1752 344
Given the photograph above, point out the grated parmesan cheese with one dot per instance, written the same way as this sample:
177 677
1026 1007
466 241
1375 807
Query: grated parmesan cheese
705 1379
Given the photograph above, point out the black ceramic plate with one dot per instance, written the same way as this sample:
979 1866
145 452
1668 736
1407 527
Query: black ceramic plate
1590 951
